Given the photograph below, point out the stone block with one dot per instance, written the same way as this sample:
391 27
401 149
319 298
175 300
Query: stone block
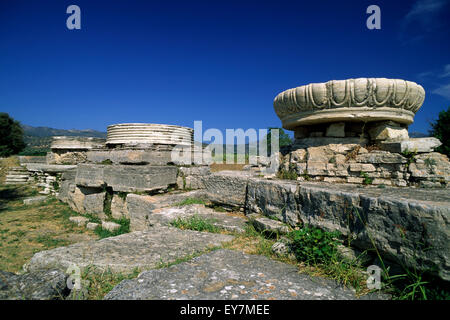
79 221
316 168
414 144
380 157
227 187
34 200
336 130
267 225
110 226
139 208
130 156
92 225
388 131
126 178
119 207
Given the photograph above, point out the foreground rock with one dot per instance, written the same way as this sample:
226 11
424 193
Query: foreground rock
229 275
38 285
124 253
407 226
227 221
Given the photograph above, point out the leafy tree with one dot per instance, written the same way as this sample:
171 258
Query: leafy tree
284 138
11 136
441 130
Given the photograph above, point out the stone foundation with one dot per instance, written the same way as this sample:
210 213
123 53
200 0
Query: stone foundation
353 160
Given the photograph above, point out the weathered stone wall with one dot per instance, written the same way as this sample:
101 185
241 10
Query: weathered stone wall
408 226
350 160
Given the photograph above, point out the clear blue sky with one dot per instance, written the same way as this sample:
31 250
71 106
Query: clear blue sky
222 62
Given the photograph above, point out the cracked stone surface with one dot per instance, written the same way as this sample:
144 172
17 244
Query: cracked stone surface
142 249
227 221
229 275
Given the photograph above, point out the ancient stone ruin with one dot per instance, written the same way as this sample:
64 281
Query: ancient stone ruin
356 131
72 150
346 132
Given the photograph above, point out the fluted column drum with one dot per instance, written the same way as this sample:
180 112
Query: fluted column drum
149 133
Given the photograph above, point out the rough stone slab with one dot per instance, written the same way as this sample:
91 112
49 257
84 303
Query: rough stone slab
124 253
119 207
388 130
110 226
32 159
79 221
126 178
141 207
76 143
229 275
129 156
51 168
263 224
38 285
276 199
227 187
381 157
413 144
92 225
227 221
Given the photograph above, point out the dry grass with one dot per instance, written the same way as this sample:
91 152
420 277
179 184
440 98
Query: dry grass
6 164
25 230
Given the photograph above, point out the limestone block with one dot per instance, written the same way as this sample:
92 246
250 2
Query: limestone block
355 180
380 157
79 221
273 199
366 167
336 130
119 207
110 226
316 168
413 144
34 200
76 143
320 154
263 224
126 178
151 156
334 179
92 225
93 203
378 181
139 208
388 131
227 187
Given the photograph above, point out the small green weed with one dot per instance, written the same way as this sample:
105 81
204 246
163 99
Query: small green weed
196 223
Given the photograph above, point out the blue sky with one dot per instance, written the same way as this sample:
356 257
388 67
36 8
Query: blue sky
222 62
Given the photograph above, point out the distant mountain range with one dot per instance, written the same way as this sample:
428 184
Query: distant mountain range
39 139
50 132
